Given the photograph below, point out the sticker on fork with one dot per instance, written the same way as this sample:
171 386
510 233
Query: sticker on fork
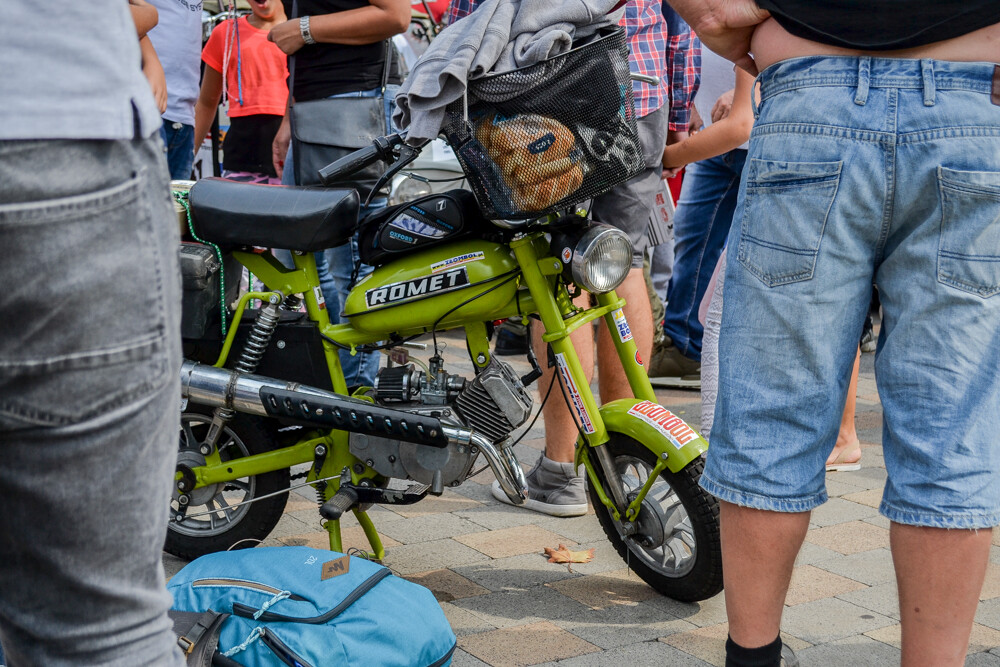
574 394
624 333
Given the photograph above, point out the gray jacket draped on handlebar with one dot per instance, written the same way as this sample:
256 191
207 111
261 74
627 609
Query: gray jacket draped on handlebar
501 35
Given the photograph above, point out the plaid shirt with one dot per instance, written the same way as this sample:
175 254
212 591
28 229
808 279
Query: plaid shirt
674 56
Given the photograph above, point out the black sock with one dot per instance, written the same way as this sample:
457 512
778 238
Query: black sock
765 656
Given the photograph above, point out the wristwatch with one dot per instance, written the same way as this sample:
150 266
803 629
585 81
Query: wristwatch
304 30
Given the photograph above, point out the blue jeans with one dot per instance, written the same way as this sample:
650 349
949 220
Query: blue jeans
865 170
178 139
89 402
704 215
336 265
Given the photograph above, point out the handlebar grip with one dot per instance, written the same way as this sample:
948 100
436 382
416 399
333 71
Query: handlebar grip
349 164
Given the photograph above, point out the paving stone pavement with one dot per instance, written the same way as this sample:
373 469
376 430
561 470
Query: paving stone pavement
508 606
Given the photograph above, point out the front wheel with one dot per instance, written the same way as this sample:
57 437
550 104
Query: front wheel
219 517
676 547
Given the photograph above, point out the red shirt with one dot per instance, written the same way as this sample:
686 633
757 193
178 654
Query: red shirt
257 72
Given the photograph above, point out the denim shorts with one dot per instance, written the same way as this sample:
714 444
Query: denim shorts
865 170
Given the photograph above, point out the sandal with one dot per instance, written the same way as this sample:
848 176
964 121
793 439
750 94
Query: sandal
842 462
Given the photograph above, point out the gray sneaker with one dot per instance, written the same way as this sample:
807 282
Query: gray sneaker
552 489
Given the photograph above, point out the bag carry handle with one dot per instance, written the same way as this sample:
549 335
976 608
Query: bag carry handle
198 636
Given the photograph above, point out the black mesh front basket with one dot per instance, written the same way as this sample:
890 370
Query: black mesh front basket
544 137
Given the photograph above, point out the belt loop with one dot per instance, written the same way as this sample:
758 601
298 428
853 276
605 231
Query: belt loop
754 89
864 76
927 73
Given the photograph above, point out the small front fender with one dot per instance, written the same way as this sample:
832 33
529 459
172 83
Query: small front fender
655 427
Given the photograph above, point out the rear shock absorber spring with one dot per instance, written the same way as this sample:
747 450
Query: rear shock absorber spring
253 351
258 339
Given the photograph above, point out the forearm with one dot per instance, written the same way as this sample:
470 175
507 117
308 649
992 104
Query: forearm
204 114
724 26
208 103
283 137
144 16
715 139
721 136
713 17
148 53
378 20
153 70
364 25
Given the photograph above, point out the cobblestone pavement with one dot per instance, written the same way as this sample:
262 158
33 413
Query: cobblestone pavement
509 606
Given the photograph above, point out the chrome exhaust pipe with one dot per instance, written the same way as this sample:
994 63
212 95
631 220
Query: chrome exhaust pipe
293 402
224 388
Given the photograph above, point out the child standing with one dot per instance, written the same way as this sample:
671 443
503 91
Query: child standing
253 71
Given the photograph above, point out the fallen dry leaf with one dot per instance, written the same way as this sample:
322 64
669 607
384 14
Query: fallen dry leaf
564 555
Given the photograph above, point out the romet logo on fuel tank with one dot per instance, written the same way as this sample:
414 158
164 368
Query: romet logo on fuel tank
411 289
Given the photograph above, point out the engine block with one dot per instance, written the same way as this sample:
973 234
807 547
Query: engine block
495 402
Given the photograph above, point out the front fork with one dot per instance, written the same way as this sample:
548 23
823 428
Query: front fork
560 318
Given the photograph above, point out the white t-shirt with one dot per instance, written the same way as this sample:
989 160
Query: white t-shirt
71 70
177 40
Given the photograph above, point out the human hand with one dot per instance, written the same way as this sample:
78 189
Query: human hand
723 105
724 26
157 80
279 147
671 165
287 36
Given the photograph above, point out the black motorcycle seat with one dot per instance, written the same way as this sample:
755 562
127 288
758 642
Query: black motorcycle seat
307 219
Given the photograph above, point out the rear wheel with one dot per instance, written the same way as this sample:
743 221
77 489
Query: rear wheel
214 518
676 547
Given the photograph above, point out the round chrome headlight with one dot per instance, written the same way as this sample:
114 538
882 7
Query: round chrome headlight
602 258
407 189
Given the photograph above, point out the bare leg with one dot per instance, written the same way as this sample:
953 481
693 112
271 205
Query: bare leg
560 428
758 553
847 438
612 380
940 574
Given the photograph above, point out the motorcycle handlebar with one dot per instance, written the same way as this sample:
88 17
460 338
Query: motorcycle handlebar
349 164
381 149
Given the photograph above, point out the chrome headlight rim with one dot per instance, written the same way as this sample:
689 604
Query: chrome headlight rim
594 247
406 189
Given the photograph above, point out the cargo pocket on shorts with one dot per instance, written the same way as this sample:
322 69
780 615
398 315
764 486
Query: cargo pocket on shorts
785 208
969 245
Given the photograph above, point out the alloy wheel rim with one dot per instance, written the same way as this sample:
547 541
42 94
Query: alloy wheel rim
223 502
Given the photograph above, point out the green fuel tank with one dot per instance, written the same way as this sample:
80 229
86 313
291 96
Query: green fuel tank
414 292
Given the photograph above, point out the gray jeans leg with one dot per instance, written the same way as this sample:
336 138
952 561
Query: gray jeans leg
89 401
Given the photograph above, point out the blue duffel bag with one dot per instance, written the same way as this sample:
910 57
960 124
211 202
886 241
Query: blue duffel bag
310 608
